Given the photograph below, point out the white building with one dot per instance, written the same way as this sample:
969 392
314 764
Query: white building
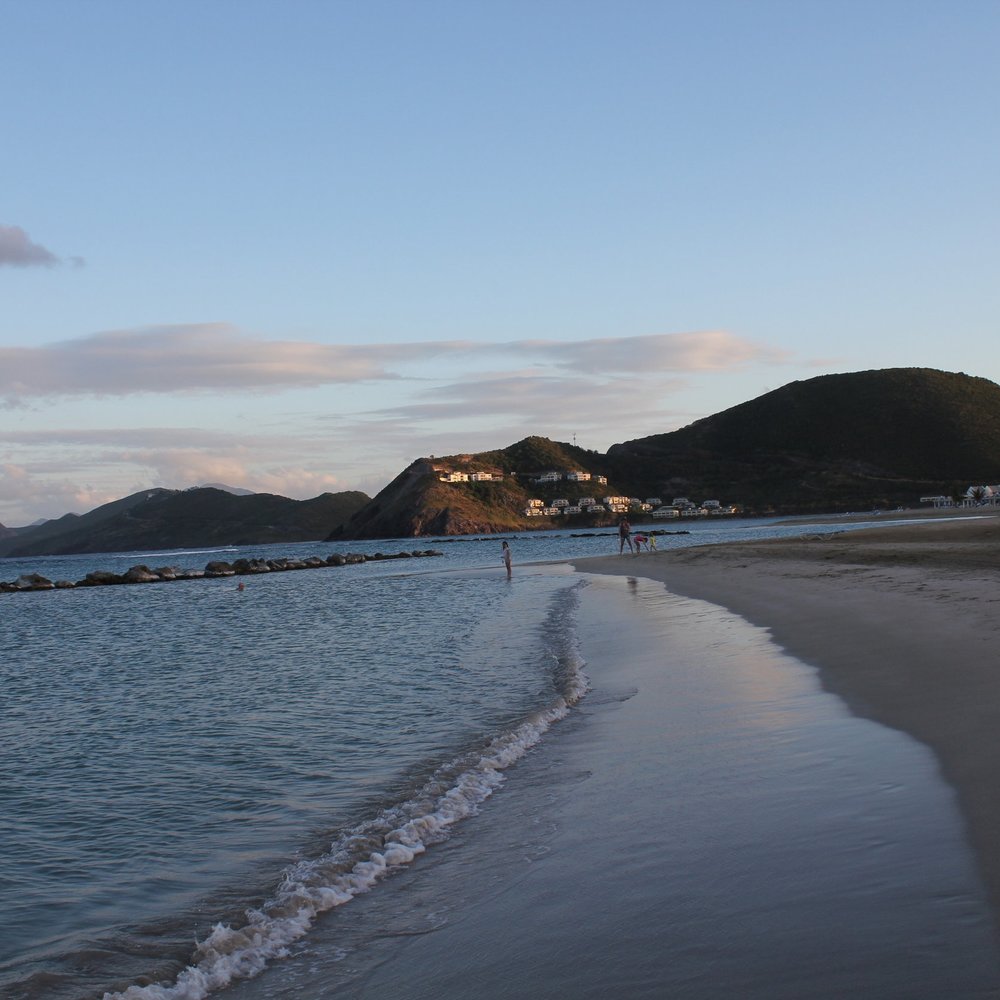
662 513
578 477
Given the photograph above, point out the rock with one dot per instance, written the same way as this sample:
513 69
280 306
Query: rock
169 573
219 568
245 566
32 581
335 559
141 574
100 578
313 562
64 584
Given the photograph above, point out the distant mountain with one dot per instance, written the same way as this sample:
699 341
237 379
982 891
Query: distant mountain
852 441
202 517
836 442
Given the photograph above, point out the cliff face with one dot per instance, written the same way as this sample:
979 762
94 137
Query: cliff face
417 503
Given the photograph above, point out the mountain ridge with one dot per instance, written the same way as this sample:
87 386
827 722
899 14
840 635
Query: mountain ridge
854 441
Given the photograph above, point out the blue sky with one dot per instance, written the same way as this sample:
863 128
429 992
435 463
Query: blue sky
293 246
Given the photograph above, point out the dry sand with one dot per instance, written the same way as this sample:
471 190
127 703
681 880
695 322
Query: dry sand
902 622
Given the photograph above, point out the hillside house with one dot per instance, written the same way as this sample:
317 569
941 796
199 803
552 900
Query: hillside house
578 477
663 513
548 477
454 477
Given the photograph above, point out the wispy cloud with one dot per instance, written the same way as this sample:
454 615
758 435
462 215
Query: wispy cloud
17 249
217 357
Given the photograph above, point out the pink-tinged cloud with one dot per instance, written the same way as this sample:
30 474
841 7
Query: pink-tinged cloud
162 359
17 249
702 351
216 357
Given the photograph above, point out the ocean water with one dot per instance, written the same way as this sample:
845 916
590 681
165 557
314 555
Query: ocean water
191 776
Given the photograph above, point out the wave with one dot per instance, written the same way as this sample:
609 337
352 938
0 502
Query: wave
364 855
178 552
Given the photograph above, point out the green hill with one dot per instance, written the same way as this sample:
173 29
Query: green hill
169 519
852 441
416 502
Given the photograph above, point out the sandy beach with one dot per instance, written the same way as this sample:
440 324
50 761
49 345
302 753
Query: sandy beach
902 622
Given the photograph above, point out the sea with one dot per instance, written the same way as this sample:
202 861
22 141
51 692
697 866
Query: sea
194 776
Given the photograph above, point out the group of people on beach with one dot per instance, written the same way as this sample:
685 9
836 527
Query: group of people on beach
625 537
634 542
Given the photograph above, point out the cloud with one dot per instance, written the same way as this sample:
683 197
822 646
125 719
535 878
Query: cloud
708 350
216 357
17 249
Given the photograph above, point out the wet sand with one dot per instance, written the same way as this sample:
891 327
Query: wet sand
902 622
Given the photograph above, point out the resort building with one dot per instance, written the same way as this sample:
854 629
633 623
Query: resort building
662 513
548 477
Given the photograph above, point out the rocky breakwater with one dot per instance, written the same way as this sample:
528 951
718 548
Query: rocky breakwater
213 570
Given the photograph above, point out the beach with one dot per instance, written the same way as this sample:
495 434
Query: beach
781 784
902 622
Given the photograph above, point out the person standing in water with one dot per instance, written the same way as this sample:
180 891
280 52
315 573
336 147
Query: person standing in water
505 556
624 536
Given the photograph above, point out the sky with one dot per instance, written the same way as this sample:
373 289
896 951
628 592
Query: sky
293 246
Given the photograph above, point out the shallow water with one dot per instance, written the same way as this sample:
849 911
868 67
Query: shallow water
167 750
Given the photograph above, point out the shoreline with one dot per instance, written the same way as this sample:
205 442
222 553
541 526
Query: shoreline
901 623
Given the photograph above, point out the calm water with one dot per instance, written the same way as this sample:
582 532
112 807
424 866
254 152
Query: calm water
187 762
